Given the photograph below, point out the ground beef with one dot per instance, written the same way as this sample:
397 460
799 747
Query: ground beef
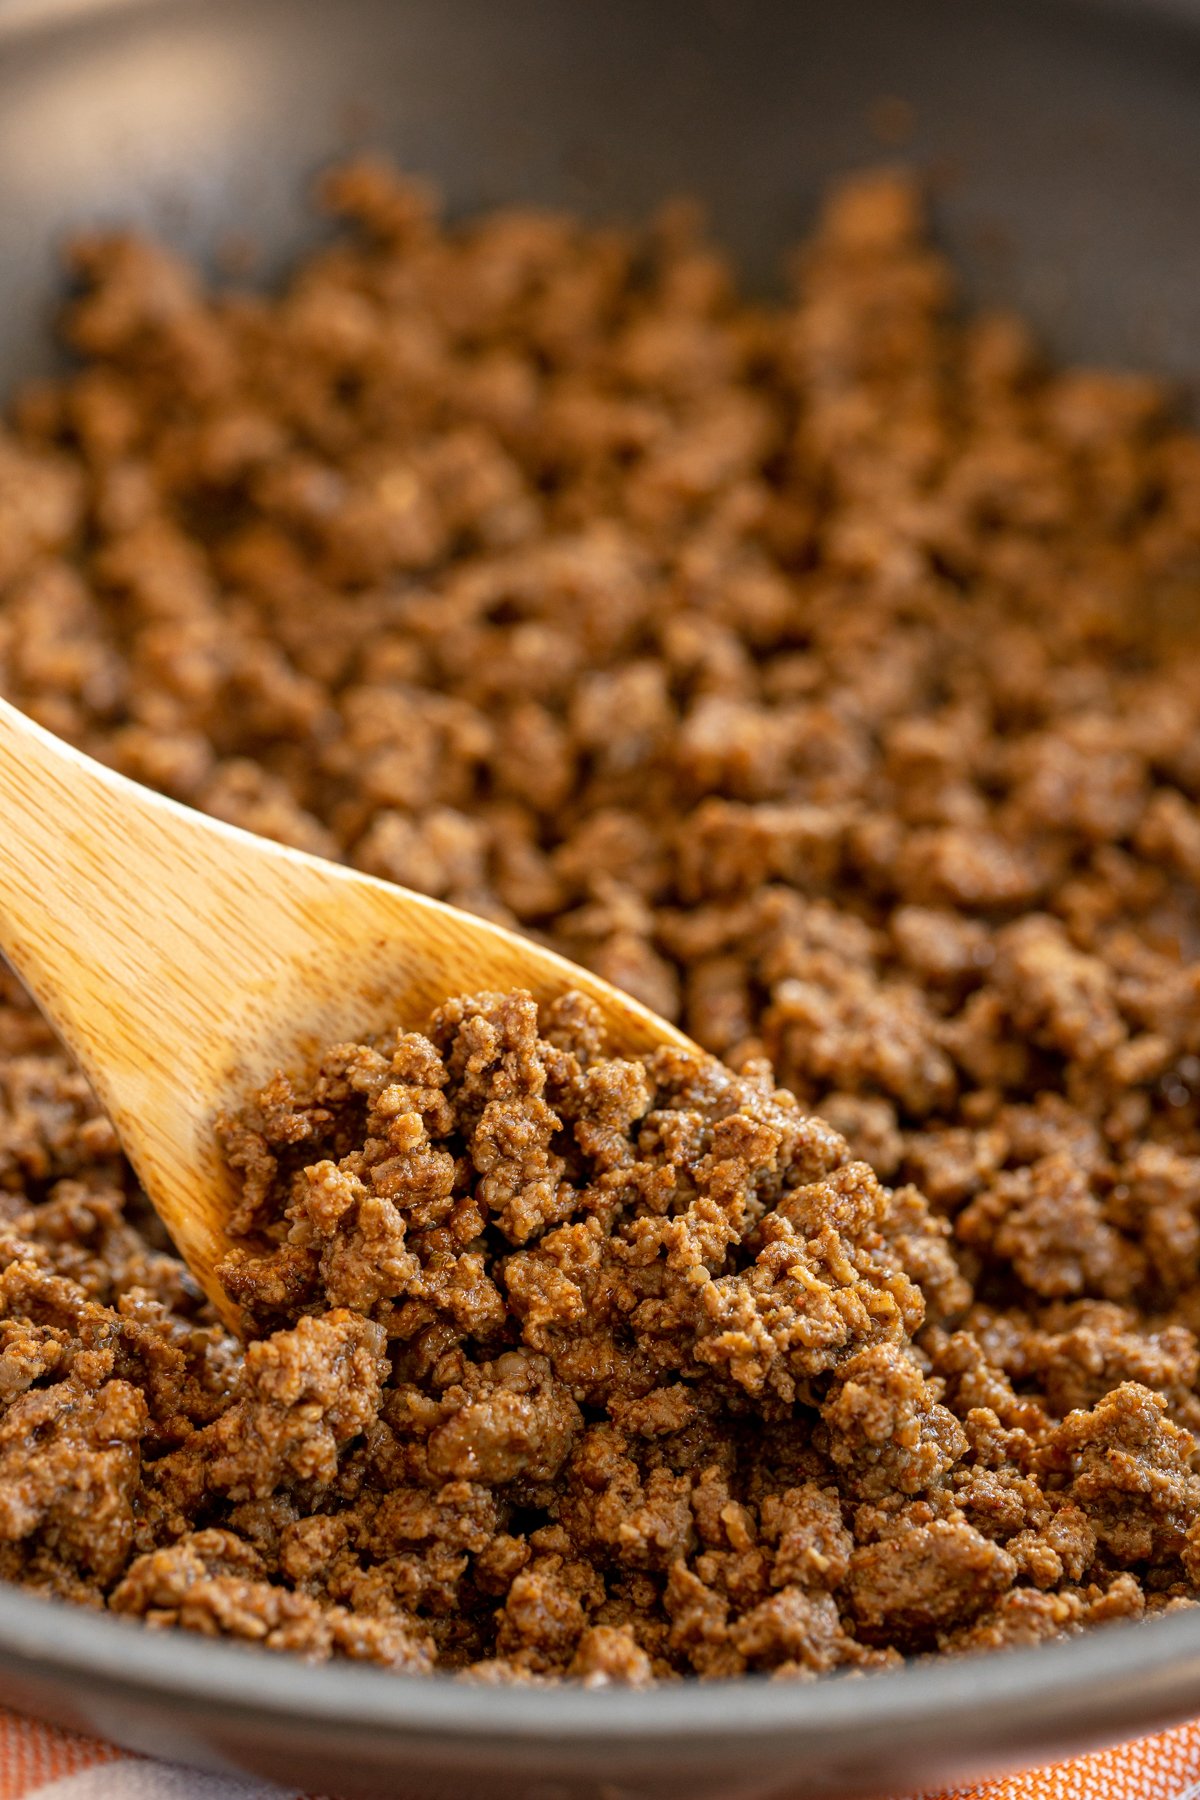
827 674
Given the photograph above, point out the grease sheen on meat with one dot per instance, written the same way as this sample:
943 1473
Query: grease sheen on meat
827 675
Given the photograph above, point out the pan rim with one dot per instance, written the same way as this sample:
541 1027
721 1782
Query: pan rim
1149 1669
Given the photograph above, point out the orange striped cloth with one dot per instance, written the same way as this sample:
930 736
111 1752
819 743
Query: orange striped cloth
57 1765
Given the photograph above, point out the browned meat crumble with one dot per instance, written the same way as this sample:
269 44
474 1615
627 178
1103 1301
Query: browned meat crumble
827 675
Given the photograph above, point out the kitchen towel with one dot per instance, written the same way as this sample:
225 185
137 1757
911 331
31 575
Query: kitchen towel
38 1760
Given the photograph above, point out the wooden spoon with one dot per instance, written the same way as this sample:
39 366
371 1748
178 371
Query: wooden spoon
182 961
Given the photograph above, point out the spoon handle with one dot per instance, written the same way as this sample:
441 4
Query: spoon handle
107 901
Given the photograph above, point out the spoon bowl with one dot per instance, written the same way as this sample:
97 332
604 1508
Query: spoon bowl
182 961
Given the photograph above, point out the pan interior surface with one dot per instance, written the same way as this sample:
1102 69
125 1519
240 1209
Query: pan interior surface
1062 139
